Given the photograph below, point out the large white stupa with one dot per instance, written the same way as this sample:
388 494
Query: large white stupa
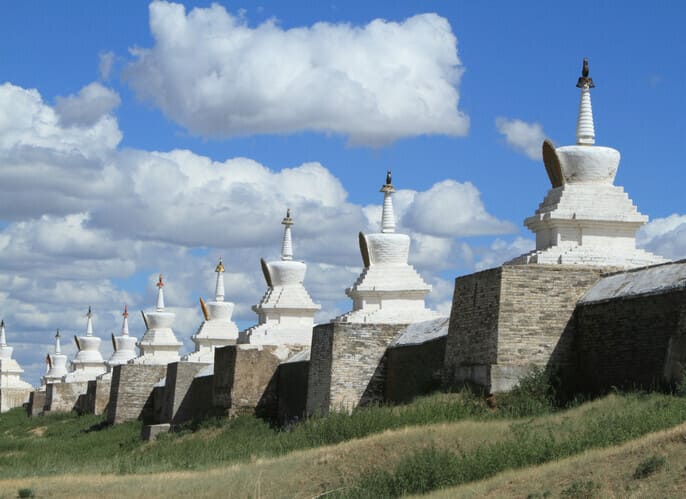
123 346
286 311
389 290
217 330
88 363
158 345
10 370
57 364
585 219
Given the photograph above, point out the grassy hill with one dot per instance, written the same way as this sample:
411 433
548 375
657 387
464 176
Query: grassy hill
436 442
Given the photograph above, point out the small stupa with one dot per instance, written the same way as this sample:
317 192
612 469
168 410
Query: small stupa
286 311
57 364
10 370
389 290
123 346
585 219
217 330
88 363
158 345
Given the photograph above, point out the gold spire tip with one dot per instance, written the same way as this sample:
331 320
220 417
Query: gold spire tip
220 266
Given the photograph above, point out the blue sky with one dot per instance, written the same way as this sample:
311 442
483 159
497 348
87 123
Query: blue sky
97 197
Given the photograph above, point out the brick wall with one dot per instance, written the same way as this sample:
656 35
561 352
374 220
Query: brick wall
179 403
131 392
413 370
292 391
348 365
631 342
98 396
64 397
36 403
13 397
506 319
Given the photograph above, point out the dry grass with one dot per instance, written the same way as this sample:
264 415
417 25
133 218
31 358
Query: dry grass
606 473
305 473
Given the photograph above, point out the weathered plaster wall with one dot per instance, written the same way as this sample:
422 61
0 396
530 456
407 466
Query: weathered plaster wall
98 396
131 392
13 397
631 342
348 365
506 319
36 403
65 397
413 370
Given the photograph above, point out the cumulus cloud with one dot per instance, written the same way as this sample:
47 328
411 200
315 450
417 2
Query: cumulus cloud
105 63
664 236
501 251
522 136
452 209
215 75
85 108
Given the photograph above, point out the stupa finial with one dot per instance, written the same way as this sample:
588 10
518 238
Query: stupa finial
287 246
219 288
585 130
160 294
125 322
387 215
3 340
58 347
89 323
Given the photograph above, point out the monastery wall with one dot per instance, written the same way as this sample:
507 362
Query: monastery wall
64 397
413 370
13 397
36 403
98 396
292 391
506 319
630 342
180 397
348 365
131 392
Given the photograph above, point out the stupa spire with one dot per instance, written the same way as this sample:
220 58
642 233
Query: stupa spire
125 323
89 323
287 246
219 288
387 215
3 340
585 131
58 347
160 294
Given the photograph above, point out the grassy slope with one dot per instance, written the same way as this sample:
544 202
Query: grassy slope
600 473
313 471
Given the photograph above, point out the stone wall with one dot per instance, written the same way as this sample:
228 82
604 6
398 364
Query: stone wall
13 397
413 370
36 403
505 320
64 397
348 365
245 379
98 396
131 392
630 342
292 379
180 402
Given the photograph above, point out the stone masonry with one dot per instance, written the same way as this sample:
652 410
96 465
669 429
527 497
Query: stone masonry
98 395
131 391
506 319
347 365
64 397
179 402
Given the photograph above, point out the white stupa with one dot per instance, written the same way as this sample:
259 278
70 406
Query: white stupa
217 330
158 345
10 370
88 363
585 219
123 346
57 364
286 311
389 290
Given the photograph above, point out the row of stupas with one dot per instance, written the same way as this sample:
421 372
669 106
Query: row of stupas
584 220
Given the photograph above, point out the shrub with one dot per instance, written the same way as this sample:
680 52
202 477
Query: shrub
26 492
649 466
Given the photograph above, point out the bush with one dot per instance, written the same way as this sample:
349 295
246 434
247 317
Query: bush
649 466
534 395
26 492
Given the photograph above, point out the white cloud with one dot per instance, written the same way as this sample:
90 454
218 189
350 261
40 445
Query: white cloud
87 107
501 251
215 75
524 137
664 236
452 209
105 63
